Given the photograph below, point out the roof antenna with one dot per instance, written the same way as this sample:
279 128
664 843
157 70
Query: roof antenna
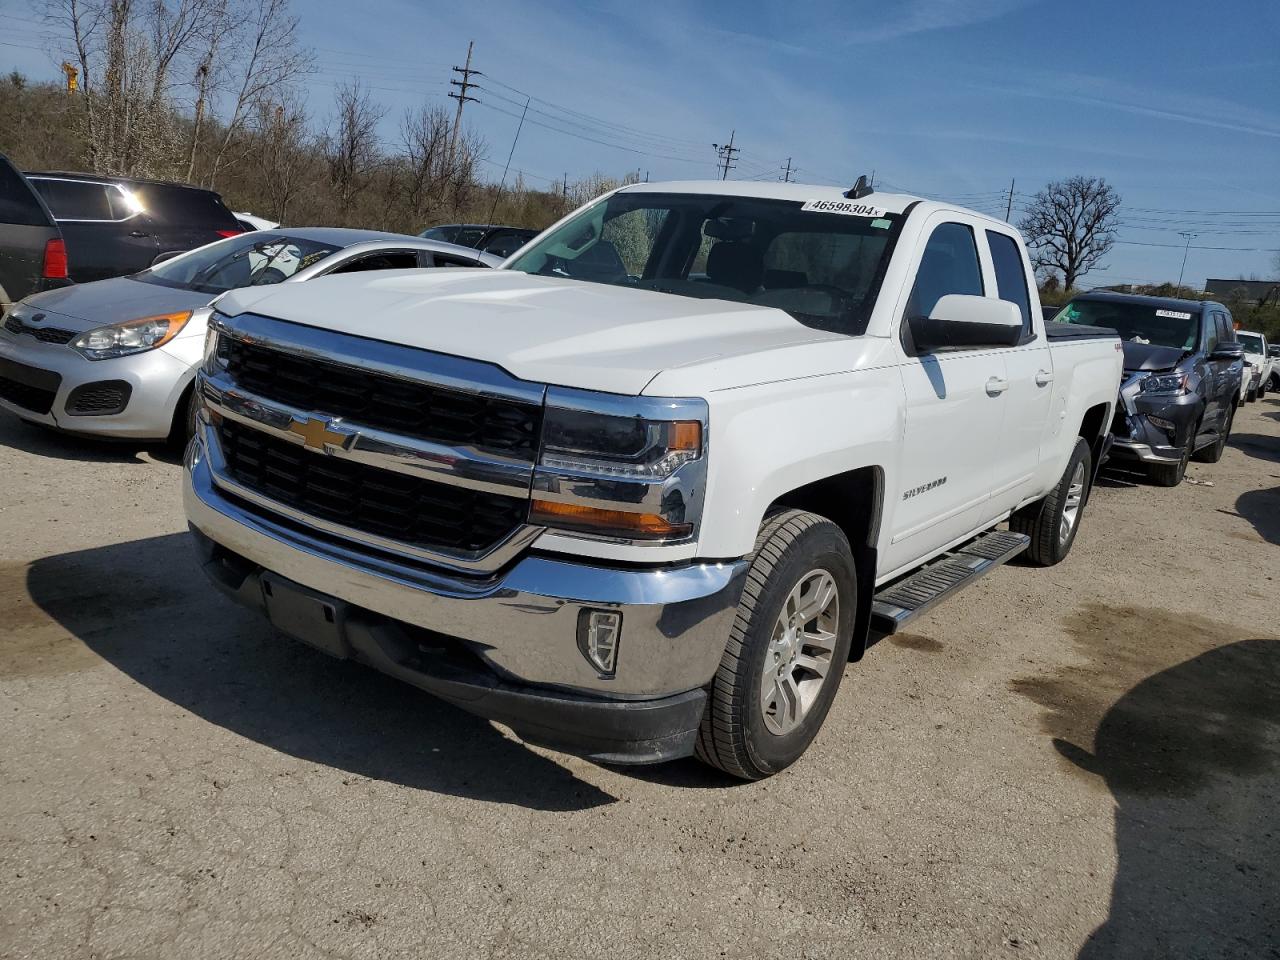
859 189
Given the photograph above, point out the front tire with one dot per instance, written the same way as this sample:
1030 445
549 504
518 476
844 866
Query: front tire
787 649
1170 474
1052 523
1213 452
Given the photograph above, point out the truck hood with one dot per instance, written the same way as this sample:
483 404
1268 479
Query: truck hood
117 300
546 329
1145 356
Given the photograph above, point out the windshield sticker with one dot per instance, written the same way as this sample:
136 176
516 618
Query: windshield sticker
1173 314
847 207
881 224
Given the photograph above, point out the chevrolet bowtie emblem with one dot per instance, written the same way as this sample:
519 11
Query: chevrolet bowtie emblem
321 434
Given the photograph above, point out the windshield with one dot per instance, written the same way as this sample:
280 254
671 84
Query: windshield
247 260
1252 343
1137 322
824 269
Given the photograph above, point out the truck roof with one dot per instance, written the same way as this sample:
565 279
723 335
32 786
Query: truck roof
1170 303
800 192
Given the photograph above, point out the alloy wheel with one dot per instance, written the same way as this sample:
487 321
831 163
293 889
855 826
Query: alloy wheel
1075 500
799 656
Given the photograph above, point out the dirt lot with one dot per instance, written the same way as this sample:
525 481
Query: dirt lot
1079 761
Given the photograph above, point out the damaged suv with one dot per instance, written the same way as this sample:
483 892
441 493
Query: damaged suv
1181 384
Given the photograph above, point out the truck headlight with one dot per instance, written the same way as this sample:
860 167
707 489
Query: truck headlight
1165 384
627 468
628 448
134 336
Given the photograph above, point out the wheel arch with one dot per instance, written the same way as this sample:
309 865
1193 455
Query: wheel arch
854 501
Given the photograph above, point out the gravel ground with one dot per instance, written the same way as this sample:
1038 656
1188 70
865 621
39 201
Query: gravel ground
1082 761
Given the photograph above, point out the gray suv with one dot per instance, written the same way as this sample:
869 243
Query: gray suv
1181 383
32 255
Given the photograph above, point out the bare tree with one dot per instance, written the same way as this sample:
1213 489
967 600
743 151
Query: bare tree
1070 226
426 172
282 154
266 33
351 145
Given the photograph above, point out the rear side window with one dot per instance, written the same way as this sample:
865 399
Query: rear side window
949 265
75 199
448 260
391 260
18 205
185 207
1011 276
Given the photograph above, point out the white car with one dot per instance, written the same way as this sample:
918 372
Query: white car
1258 365
645 489
116 358
250 222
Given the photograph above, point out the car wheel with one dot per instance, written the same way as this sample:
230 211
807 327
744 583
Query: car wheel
1213 452
1052 522
786 651
1170 474
184 419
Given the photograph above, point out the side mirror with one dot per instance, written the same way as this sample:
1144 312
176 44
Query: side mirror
960 320
167 255
1227 350
1273 352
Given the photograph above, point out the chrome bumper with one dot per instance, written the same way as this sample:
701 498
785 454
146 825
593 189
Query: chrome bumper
521 622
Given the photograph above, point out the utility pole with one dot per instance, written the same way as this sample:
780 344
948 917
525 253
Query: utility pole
463 86
1008 207
1185 250
787 171
727 153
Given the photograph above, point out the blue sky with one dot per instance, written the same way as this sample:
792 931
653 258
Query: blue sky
1177 103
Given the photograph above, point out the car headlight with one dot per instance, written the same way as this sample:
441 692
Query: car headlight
1165 384
622 470
135 336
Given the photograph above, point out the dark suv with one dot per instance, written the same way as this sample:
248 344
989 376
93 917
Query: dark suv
1181 383
118 225
32 254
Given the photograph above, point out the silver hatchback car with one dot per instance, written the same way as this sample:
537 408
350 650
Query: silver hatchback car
117 358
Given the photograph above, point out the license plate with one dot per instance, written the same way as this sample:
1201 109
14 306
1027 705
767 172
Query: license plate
305 615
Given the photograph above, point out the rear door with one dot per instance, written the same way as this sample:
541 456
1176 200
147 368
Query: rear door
955 401
104 229
1029 368
25 227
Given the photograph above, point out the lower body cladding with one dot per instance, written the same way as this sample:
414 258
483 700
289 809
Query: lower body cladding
515 647
131 397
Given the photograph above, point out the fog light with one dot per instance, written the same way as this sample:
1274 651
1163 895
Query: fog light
1162 423
599 632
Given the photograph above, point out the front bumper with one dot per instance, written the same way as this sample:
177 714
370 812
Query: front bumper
150 383
1137 437
503 646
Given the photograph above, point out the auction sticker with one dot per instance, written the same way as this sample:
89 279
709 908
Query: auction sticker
1173 314
850 208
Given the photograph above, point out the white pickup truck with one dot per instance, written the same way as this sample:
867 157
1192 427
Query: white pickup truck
644 490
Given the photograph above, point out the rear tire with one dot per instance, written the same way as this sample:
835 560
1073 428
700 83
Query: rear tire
780 671
1052 522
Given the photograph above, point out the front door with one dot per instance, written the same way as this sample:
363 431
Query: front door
955 401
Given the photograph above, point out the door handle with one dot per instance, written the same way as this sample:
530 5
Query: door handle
138 233
997 386
1043 378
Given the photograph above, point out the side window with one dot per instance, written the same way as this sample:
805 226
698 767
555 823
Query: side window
1011 276
1213 331
949 265
17 204
75 199
504 245
391 260
448 260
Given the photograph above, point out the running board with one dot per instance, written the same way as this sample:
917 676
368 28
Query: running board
902 601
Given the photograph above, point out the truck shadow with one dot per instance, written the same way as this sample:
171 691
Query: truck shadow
43 441
146 608
1191 756
1262 509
